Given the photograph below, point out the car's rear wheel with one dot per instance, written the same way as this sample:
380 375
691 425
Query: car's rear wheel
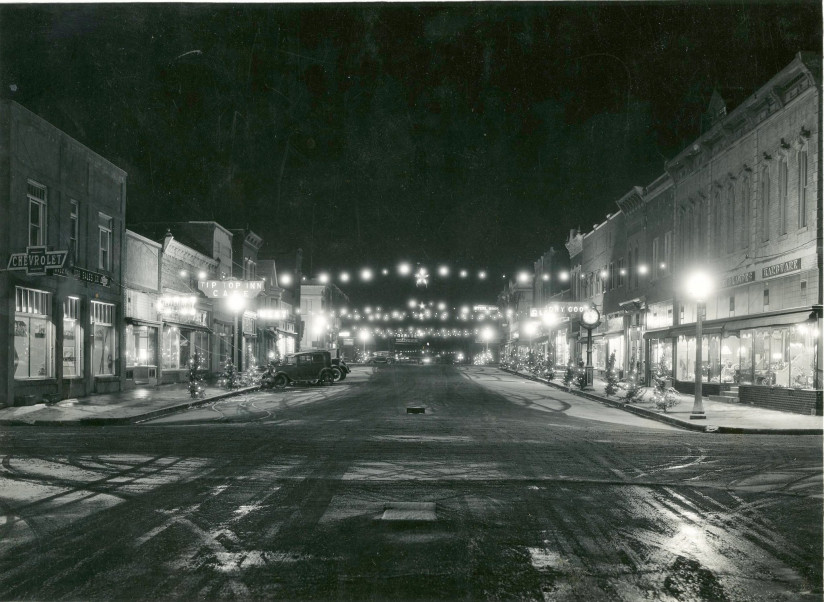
280 381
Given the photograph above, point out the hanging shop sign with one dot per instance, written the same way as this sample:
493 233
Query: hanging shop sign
738 279
412 340
485 308
85 276
37 260
781 268
216 289
560 309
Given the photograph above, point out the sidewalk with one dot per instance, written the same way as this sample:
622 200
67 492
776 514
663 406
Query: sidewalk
125 407
721 417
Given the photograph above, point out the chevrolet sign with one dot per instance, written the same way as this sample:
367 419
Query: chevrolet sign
37 260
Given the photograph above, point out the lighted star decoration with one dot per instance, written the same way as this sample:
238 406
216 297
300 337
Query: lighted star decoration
421 277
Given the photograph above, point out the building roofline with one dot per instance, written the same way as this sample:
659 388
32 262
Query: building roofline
97 155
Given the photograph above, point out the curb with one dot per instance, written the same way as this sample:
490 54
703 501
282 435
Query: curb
137 418
698 428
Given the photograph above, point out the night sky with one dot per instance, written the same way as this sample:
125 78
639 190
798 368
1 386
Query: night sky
476 134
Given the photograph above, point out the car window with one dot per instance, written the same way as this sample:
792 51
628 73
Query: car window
317 358
304 359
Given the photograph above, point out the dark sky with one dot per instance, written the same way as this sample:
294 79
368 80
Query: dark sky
472 133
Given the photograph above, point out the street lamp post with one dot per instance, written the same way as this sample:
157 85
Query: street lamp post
590 318
699 287
364 336
236 304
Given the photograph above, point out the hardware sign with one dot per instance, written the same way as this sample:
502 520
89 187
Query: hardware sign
781 268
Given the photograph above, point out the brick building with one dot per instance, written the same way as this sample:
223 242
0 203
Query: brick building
62 236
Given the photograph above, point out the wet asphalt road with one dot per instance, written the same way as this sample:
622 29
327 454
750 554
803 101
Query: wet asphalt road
502 490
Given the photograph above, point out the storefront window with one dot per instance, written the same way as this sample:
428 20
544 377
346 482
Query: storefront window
780 356
561 349
140 345
803 341
711 357
104 339
223 334
72 339
745 359
730 362
686 358
761 357
616 346
661 357
33 334
170 348
180 344
192 342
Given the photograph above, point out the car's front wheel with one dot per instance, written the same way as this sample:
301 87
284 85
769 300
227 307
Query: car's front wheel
280 381
338 374
327 377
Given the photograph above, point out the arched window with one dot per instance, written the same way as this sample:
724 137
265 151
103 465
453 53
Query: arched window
729 219
764 206
783 203
803 183
745 213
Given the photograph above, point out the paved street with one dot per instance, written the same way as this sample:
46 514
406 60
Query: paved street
501 488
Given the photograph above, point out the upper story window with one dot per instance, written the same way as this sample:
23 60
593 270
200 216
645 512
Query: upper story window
764 206
745 213
656 258
36 194
105 230
74 230
621 272
783 203
802 188
729 219
666 256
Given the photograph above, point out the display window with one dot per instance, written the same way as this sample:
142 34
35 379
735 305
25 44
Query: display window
180 344
104 339
34 334
140 345
72 339
661 357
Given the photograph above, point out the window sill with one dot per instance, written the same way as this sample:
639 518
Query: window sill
37 379
106 377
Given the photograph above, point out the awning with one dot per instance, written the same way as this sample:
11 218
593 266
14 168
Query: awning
796 317
188 325
735 324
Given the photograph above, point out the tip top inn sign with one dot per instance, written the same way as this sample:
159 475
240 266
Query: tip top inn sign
218 289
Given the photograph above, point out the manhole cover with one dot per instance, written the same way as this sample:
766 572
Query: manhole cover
415 410
409 511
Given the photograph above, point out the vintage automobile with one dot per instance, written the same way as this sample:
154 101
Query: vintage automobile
339 368
380 360
314 367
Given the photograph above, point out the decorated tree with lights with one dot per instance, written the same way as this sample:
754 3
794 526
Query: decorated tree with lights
611 376
230 375
196 388
569 375
581 376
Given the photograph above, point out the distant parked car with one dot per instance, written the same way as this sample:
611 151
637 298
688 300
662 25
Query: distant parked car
380 360
314 367
339 368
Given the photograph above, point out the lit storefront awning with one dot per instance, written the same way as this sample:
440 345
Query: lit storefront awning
735 324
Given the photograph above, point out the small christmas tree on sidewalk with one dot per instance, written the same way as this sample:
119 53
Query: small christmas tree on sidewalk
634 392
569 376
611 376
581 376
230 375
196 388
